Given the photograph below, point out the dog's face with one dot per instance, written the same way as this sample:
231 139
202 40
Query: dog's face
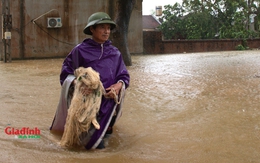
88 76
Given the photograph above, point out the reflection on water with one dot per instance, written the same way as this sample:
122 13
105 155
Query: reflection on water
201 107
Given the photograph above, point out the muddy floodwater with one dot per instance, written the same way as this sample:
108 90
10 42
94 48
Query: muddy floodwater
183 108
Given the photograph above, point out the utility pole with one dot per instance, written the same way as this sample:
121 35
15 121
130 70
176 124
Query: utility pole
6 31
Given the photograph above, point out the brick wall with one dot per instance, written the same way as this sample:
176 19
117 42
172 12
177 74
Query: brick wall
153 44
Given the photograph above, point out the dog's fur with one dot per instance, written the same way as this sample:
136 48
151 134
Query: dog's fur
83 109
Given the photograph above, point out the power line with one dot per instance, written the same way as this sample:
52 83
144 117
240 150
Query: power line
51 35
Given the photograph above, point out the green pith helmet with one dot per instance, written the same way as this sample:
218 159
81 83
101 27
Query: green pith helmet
98 18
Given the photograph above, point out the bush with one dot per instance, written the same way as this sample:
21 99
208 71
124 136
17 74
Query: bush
240 47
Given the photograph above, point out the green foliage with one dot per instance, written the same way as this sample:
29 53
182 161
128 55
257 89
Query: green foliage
240 47
174 25
209 19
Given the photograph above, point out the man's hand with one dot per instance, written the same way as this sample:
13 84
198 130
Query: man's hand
113 90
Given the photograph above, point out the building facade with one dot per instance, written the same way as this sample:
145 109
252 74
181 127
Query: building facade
47 29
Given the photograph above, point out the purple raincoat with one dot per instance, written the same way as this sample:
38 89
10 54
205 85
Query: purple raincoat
105 59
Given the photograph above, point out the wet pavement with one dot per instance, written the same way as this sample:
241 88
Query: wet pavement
197 107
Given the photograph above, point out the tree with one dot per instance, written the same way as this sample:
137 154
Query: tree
172 26
122 17
208 19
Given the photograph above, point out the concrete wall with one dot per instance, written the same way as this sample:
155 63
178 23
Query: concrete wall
153 44
32 39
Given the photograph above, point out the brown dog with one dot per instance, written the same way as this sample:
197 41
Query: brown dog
83 108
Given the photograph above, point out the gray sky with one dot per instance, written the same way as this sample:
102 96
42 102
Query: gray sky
149 5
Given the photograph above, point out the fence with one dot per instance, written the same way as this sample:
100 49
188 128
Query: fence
153 44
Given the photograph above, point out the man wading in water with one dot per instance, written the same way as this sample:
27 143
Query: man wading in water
99 53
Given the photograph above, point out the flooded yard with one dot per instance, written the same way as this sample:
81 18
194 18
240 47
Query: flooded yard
199 107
